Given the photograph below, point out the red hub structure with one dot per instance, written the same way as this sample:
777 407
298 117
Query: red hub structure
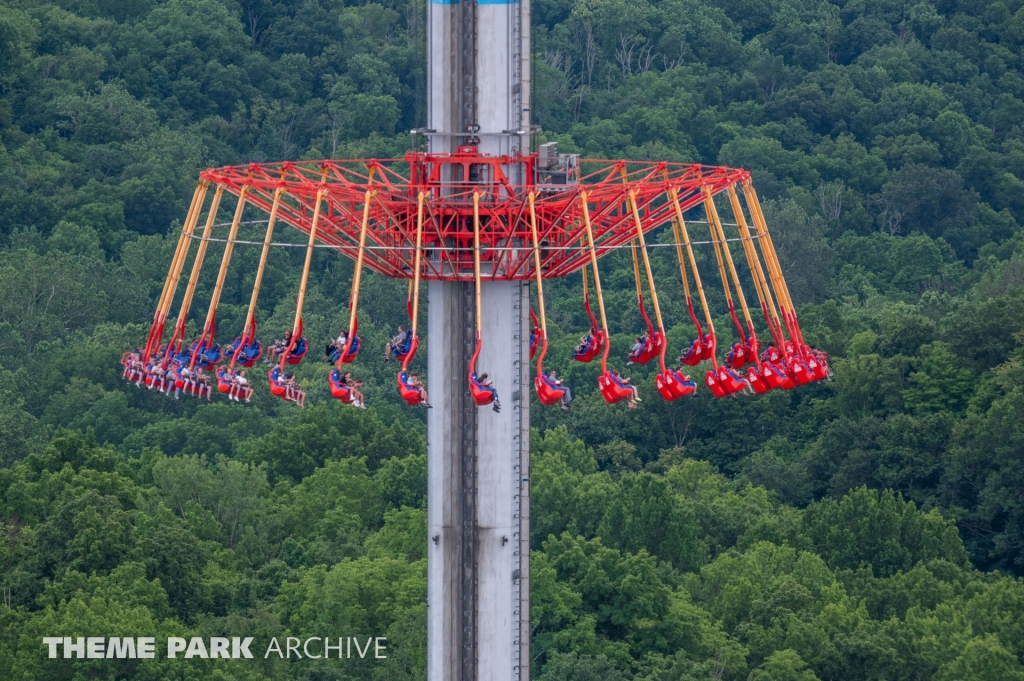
449 182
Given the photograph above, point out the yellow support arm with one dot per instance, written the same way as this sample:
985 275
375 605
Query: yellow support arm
536 265
709 202
774 267
764 293
251 317
416 263
685 236
197 266
593 262
357 277
305 268
767 247
476 262
184 242
226 259
647 262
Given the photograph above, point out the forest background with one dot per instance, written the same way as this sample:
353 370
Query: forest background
871 527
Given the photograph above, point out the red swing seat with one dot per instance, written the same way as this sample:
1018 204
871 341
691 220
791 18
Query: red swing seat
248 355
818 364
298 352
207 357
547 392
410 393
339 390
353 348
130 373
482 394
651 348
223 384
711 381
700 349
799 371
733 381
672 385
757 381
776 376
724 382
204 352
771 354
743 353
612 389
400 353
350 357
277 388
593 349
595 339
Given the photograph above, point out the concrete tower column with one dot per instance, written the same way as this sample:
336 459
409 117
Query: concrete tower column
478 614
478 488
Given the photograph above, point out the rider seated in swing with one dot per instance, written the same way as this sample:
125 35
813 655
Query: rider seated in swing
416 384
354 389
695 352
332 352
636 349
137 369
340 385
584 344
127 362
225 376
140 370
233 378
172 375
292 391
240 387
398 345
681 377
552 379
624 382
279 347
357 394
487 384
158 373
192 386
187 380
202 380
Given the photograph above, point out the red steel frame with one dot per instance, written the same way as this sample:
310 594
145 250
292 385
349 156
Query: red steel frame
449 182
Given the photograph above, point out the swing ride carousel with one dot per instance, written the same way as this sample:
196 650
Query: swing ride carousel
457 217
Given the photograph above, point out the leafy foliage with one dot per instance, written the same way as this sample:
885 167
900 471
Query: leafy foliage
867 528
